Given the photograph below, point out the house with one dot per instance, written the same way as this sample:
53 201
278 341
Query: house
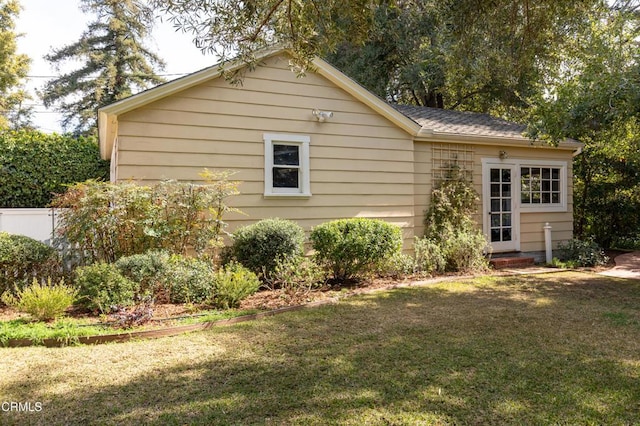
322 147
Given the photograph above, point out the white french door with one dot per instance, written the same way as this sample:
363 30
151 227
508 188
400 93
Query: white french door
500 189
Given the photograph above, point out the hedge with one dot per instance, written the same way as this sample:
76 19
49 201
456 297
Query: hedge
35 165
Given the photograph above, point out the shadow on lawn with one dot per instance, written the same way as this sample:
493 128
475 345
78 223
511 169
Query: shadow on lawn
531 350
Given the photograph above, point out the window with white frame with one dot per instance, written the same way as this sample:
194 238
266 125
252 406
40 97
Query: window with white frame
543 186
286 165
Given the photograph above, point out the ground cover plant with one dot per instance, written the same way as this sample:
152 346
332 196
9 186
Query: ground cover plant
560 348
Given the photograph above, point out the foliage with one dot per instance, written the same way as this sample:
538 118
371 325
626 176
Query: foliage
135 316
102 287
241 29
260 245
429 256
14 68
353 247
188 280
106 221
594 99
397 266
449 225
148 271
582 253
23 258
233 283
295 273
34 166
44 302
116 63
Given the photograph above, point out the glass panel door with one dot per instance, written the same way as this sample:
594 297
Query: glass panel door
499 195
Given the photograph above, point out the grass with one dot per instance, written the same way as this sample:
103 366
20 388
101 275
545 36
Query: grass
559 348
68 329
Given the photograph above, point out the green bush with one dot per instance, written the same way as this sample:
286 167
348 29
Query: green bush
350 248
43 302
297 273
103 288
233 283
149 271
188 280
429 257
258 246
451 236
36 165
397 266
464 251
582 253
23 258
107 221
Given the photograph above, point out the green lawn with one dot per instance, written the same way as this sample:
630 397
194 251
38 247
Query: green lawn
559 348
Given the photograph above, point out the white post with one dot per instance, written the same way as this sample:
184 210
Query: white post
547 242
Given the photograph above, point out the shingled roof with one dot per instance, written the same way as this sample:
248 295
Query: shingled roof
440 120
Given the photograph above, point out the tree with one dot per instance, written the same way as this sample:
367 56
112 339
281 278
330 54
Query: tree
116 62
595 98
457 54
13 69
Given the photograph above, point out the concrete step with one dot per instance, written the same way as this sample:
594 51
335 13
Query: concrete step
511 262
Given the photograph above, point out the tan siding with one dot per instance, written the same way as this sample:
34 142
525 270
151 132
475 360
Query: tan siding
531 231
361 164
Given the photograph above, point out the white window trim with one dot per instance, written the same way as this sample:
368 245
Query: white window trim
564 186
304 191
536 208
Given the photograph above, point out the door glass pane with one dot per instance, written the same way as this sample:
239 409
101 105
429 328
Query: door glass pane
495 175
506 219
285 178
506 234
495 190
495 235
495 220
495 205
506 190
506 205
506 175
286 155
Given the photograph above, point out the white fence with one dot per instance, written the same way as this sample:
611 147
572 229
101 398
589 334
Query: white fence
35 223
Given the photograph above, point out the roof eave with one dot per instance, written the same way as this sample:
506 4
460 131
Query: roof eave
428 135
341 80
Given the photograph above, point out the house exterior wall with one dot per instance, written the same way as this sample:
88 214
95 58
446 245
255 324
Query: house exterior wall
361 165
531 223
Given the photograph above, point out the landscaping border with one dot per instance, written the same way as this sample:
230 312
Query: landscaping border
181 329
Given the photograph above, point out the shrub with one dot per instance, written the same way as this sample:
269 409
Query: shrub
451 236
582 253
233 283
43 302
22 258
36 165
149 271
464 251
258 246
353 247
188 280
397 266
429 257
107 221
102 287
296 273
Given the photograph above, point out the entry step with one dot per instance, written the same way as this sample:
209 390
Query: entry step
511 262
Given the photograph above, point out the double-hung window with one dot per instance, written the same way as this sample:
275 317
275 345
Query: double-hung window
286 165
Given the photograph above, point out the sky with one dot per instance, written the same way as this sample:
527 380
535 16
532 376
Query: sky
47 24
